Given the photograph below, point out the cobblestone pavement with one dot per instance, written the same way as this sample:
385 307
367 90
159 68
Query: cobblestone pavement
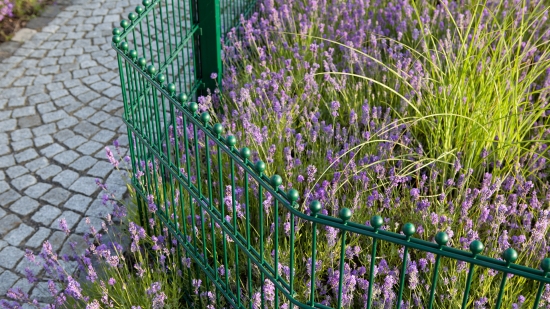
60 106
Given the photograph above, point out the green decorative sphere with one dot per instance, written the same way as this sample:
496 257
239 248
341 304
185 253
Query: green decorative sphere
193 107
260 166
205 117
151 69
133 55
132 16
124 23
182 98
376 222
345 214
160 78
545 265
441 238
276 181
510 255
117 31
231 141
293 195
476 247
139 9
217 129
146 3
245 153
116 39
142 62
171 87
315 207
408 229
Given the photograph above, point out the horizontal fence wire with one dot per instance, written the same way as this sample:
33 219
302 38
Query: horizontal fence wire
235 228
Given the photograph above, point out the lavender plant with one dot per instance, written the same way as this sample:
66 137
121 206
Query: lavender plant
116 269
6 9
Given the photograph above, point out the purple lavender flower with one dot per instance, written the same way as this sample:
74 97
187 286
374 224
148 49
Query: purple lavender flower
63 226
73 288
111 157
154 289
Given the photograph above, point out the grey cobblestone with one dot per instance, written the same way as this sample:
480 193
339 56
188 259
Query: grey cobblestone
16 171
52 150
8 223
16 236
23 144
54 116
60 104
26 155
23 111
56 196
57 239
74 141
48 171
20 134
65 178
83 163
9 257
24 206
8 197
4 149
37 190
89 148
66 157
6 161
23 182
103 136
63 135
43 140
70 217
78 203
84 185
30 121
38 238
67 122
37 164
100 169
46 214
7 280
7 125
35 267
44 129
4 186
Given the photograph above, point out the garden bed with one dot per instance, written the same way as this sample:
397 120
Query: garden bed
15 14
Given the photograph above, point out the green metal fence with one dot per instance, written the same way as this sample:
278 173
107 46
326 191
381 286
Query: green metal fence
227 216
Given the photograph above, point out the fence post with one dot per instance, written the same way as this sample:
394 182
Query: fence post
207 47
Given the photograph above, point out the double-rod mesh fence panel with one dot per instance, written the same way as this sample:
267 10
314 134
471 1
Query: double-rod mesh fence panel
234 228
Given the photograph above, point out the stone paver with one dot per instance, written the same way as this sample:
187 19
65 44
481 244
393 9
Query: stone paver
60 105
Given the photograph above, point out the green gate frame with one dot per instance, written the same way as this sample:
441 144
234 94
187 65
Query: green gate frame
156 97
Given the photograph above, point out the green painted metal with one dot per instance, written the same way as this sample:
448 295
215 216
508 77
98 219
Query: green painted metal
208 44
224 213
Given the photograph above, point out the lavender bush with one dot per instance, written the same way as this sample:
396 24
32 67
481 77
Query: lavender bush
6 9
116 269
